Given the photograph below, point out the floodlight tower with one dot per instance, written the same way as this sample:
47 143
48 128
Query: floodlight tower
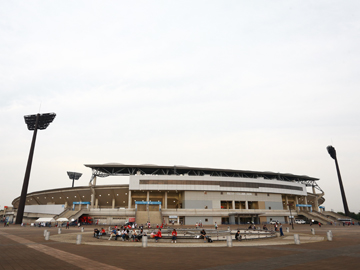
33 122
332 152
74 176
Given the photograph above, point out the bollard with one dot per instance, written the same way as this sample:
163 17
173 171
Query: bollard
78 239
82 229
144 241
47 236
229 241
313 231
329 235
287 229
297 239
59 230
228 229
45 231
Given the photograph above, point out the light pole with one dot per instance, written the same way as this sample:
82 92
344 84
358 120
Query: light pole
33 122
74 176
332 152
291 217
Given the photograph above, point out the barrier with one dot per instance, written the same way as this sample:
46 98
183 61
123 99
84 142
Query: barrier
82 229
144 241
297 239
287 229
313 231
78 239
45 231
229 241
47 236
329 235
59 230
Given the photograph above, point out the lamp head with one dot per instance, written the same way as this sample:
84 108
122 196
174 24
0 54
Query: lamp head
331 151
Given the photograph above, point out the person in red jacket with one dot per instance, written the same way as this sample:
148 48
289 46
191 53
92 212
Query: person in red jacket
158 235
174 234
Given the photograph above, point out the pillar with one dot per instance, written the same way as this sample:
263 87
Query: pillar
178 220
297 202
287 202
246 205
165 203
233 204
306 202
147 196
96 203
113 203
66 205
129 199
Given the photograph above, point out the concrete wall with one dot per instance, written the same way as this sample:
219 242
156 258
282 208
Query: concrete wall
54 209
197 204
274 205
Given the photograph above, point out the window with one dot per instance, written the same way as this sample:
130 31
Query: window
269 207
206 220
268 194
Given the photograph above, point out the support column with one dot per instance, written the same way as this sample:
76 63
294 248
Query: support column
113 203
246 205
297 202
66 205
96 203
306 202
287 202
178 220
233 204
147 196
129 199
165 202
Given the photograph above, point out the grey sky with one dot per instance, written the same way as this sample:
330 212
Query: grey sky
253 85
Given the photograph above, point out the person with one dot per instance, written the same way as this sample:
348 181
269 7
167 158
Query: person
96 232
174 235
238 236
265 228
134 235
113 232
158 235
319 224
102 232
118 234
281 230
216 226
67 225
124 234
203 235
196 225
140 234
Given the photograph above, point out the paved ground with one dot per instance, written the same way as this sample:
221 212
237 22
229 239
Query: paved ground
25 248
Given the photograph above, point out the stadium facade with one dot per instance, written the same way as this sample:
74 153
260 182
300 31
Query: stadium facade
180 195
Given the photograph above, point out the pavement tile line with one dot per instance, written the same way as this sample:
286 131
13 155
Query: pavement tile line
76 260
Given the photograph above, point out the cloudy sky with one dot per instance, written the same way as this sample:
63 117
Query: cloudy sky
252 85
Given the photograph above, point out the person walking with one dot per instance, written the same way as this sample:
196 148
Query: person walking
216 226
281 230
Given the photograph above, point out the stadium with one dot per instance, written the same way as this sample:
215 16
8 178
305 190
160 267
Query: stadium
180 195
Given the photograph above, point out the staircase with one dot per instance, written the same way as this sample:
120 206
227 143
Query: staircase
336 216
316 216
70 214
154 217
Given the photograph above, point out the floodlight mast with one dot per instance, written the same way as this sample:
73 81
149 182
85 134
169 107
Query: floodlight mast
332 152
34 122
74 176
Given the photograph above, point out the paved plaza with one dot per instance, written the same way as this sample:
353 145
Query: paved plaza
26 248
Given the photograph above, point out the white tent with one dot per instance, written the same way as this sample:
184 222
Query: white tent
62 219
39 220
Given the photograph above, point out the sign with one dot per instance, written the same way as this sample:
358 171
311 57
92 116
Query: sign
81 202
172 216
140 202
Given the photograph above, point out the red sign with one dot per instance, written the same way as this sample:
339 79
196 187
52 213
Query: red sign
5 207
132 219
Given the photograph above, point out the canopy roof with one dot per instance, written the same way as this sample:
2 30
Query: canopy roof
62 219
45 220
104 170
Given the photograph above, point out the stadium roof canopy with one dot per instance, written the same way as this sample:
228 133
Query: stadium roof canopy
109 169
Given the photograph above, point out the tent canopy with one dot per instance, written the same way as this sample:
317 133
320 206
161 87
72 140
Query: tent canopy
45 220
62 219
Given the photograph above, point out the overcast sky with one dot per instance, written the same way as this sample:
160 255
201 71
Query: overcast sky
248 85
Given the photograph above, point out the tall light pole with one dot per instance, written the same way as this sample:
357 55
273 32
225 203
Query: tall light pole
33 122
332 152
74 176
